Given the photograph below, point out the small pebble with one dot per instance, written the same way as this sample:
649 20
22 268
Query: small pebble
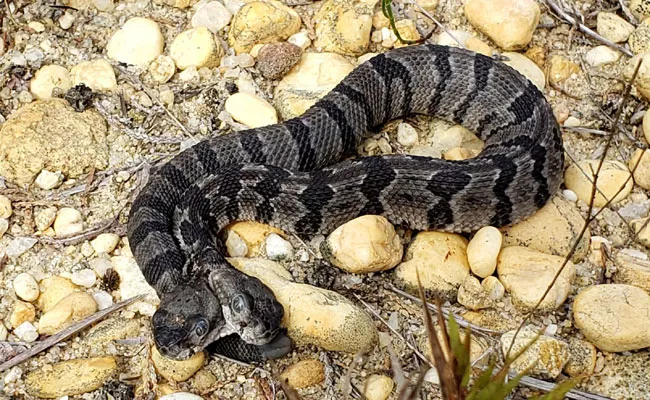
4 226
640 164
472 295
48 78
5 207
100 266
483 251
407 136
181 396
275 60
138 42
66 20
277 248
602 55
251 110
612 27
96 74
235 245
18 246
103 299
570 195
3 332
177 371
300 39
527 68
162 68
85 277
613 177
26 287
68 222
303 374
195 47
545 357
378 387
47 180
105 242
26 332
21 312
494 288
639 40
212 15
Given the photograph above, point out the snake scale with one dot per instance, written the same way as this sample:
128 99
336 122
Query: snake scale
297 176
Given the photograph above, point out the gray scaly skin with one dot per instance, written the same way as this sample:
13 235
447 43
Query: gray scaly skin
291 176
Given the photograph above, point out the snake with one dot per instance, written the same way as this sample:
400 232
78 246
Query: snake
301 176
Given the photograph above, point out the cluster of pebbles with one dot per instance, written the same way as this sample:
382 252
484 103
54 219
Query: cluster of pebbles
167 73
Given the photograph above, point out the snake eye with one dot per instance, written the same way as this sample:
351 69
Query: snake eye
201 327
240 303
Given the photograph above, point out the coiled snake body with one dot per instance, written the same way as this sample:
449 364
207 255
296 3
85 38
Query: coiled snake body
291 175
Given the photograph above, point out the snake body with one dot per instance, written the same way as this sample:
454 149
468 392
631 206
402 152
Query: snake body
291 175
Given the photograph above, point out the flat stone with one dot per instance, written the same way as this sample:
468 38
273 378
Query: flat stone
69 378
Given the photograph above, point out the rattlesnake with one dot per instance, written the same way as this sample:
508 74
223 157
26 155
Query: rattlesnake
291 175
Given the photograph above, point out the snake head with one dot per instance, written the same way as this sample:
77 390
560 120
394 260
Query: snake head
186 321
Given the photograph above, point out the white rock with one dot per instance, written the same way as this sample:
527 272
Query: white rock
45 218
5 207
19 246
66 20
300 39
378 387
103 299
132 283
47 78
4 226
26 332
570 195
613 27
407 135
100 266
527 68
251 110
47 180
105 242
85 277
36 26
68 222
103 5
277 248
26 287
545 357
472 295
212 15
181 396
602 55
3 332
509 23
162 68
483 250
138 42
97 75
235 245
494 288
195 47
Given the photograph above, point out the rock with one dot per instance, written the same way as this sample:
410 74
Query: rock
66 20
26 332
407 30
176 371
5 207
304 374
640 8
312 78
116 328
602 55
72 308
26 287
582 358
614 177
545 357
4 226
181 396
642 230
138 42
195 47
4 333
18 246
313 315
441 261
552 229
53 290
105 242
640 165
97 75
494 288
456 38
47 180
262 22
483 250
251 110
204 380
509 23
621 376
561 69
642 80
252 234
343 27
68 222
526 274
181 4
472 295
632 270
51 135
85 277
212 15
612 27
132 283
69 378
300 39
447 138
48 78
162 68
614 317
276 59
407 136
639 40
22 312
277 248
527 68
378 387
365 244
103 300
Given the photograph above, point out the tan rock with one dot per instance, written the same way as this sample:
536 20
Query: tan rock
561 69
472 295
5 207
22 312
494 288
253 234
97 75
251 110
553 229
174 370
491 319
344 26
204 380
51 135
313 315
545 357
509 23
53 290
639 40
195 47
68 222
642 80
312 78
303 374
378 387
138 42
613 27
614 181
640 166
582 358
640 8
74 307
105 242
632 271
163 68
527 68
526 274
262 22
614 317
365 244
26 287
483 250
112 329
602 55
69 378
407 31
48 78
440 259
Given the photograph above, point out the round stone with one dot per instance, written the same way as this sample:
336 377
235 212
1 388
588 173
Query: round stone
195 47
614 181
26 287
138 42
483 250
251 110
48 78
